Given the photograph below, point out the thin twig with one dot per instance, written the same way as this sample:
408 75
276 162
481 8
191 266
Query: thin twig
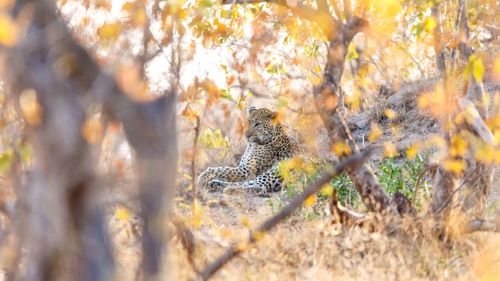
348 163
193 159
417 184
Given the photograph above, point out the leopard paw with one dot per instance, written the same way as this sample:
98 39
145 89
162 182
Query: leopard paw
216 185
238 190
205 177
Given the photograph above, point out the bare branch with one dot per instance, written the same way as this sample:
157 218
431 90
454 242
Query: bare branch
438 46
348 163
193 160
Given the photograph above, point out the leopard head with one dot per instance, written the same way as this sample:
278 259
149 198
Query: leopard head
262 125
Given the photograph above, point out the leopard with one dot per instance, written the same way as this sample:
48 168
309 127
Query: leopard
258 170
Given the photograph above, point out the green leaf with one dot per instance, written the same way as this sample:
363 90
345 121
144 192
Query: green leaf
25 152
351 52
6 161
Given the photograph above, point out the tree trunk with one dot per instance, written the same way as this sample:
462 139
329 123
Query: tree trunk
445 181
478 184
66 229
363 177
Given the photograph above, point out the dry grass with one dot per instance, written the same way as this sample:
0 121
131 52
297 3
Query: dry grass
314 249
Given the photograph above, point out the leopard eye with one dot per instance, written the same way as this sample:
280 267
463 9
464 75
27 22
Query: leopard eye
256 124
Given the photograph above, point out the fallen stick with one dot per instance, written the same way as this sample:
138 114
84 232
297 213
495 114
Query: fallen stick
348 163
477 122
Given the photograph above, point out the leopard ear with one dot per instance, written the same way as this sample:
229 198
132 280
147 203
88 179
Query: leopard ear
251 109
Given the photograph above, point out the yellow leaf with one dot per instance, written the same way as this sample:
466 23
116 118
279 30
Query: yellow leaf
8 31
390 150
245 221
458 146
189 113
128 7
183 13
139 17
213 92
351 52
30 108
375 132
230 80
242 246
326 190
92 130
413 150
438 102
109 31
429 24
496 136
341 149
478 69
258 235
389 113
485 154
310 201
475 67
465 116
455 166
122 213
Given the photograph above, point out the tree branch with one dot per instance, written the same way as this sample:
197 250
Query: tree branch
348 163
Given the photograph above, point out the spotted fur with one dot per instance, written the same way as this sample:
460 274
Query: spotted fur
257 171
